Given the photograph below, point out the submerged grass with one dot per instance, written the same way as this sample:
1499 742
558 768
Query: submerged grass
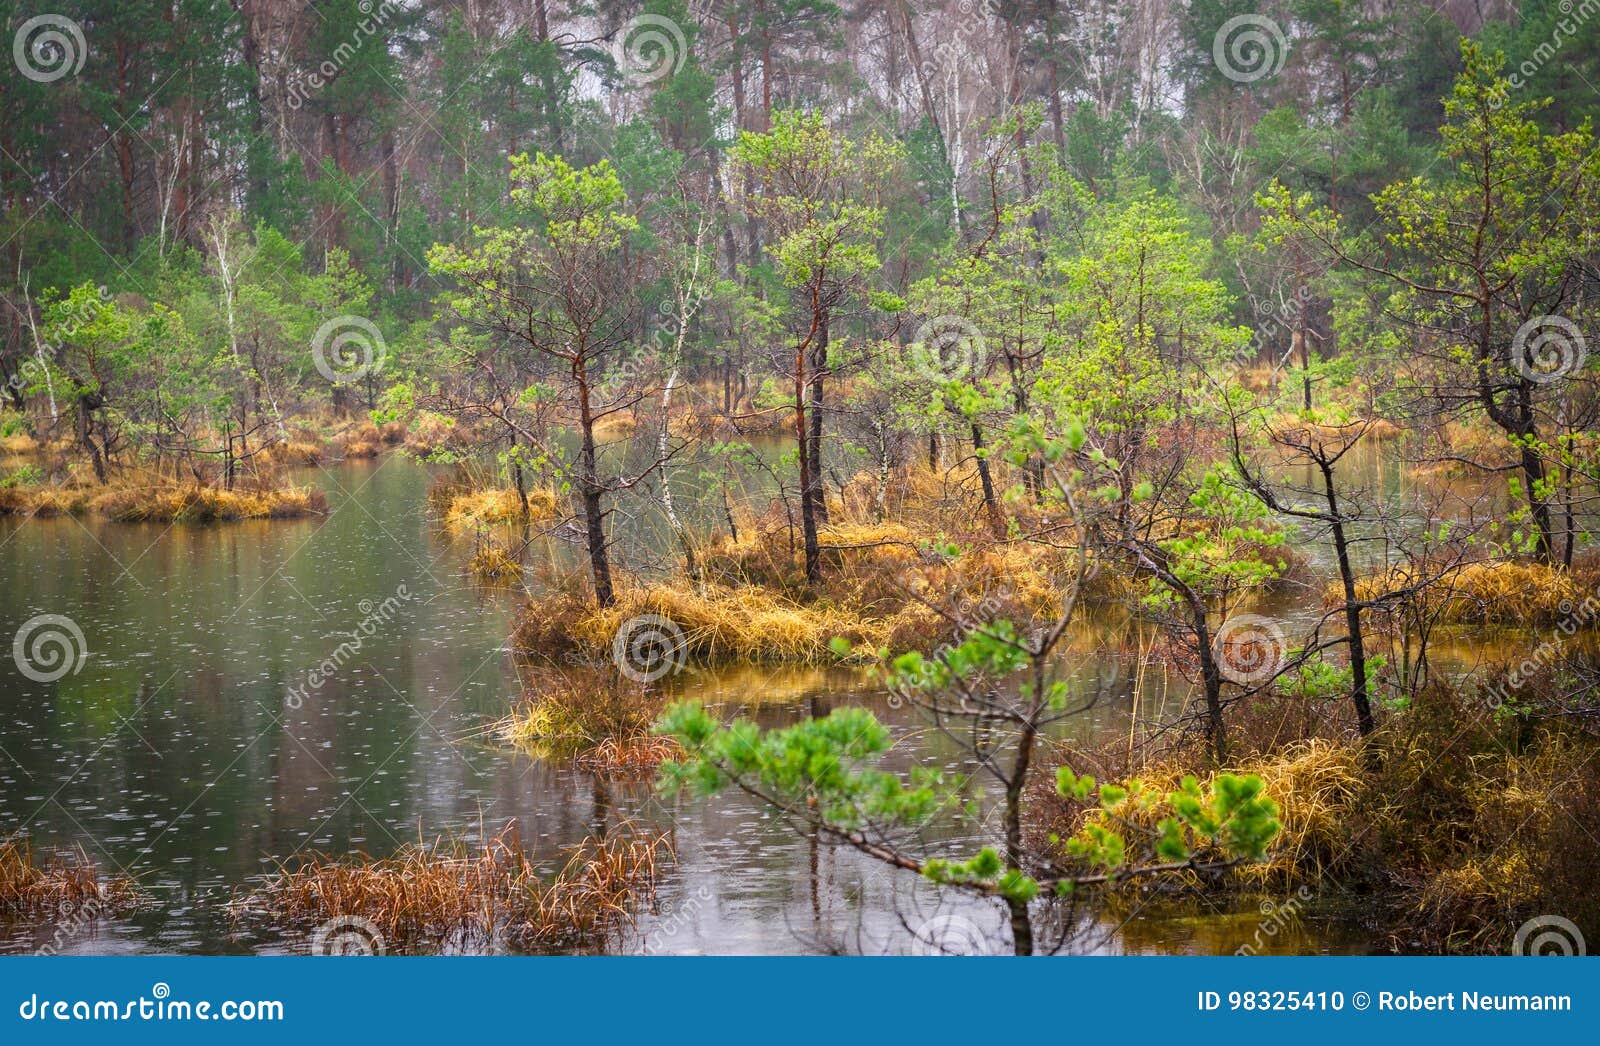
451 893
492 561
58 883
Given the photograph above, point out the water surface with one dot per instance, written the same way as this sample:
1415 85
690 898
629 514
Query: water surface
256 690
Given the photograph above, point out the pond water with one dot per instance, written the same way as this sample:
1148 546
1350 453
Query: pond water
253 691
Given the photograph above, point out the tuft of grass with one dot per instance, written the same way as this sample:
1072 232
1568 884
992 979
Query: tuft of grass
1497 592
58 883
586 716
718 624
482 508
295 452
451 893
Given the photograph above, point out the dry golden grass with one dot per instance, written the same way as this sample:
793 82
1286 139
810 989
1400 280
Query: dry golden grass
481 508
1476 825
294 452
59 884
449 892
18 444
718 624
206 504
617 426
881 587
1332 431
590 717
136 501
430 433
628 756
1501 592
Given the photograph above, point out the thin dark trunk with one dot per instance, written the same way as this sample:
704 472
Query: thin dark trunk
809 486
1021 923
1533 473
86 438
1352 608
819 372
593 509
991 504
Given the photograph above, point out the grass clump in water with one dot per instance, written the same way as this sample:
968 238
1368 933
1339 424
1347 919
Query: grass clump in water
59 883
481 508
590 718
146 502
450 893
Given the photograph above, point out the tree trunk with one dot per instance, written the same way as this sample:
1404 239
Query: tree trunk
86 436
819 372
991 504
1352 608
593 510
1021 923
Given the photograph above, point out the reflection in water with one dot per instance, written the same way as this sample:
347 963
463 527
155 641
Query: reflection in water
247 697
